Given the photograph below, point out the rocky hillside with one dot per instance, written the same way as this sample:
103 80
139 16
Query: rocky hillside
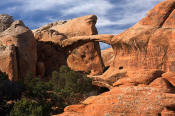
139 69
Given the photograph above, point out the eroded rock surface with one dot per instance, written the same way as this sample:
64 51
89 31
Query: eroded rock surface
148 45
86 55
125 101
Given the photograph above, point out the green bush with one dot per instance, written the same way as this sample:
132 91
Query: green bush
68 85
26 107
67 79
35 87
39 98
37 90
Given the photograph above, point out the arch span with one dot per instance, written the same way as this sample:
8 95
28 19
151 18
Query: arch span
85 39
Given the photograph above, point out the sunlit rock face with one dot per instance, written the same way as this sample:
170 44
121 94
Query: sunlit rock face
18 53
79 57
148 45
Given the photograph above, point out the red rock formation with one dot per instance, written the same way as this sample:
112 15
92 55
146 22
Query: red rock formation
24 56
142 54
170 77
148 45
87 56
8 61
107 56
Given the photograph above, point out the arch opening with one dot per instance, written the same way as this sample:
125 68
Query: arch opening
107 55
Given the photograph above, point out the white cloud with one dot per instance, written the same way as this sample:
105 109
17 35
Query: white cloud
98 7
43 5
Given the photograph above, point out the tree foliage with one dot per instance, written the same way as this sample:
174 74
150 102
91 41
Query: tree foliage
43 98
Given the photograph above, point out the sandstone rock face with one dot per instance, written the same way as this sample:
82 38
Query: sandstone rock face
170 77
22 38
148 45
87 56
159 14
107 56
8 61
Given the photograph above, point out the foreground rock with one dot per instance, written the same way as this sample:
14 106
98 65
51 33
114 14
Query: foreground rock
18 50
126 101
87 56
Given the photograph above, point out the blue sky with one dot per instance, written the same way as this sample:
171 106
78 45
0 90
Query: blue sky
114 16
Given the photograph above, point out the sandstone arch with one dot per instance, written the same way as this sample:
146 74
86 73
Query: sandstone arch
106 38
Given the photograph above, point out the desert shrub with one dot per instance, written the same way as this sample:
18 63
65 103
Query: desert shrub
69 85
35 87
27 107
37 90
43 98
66 79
